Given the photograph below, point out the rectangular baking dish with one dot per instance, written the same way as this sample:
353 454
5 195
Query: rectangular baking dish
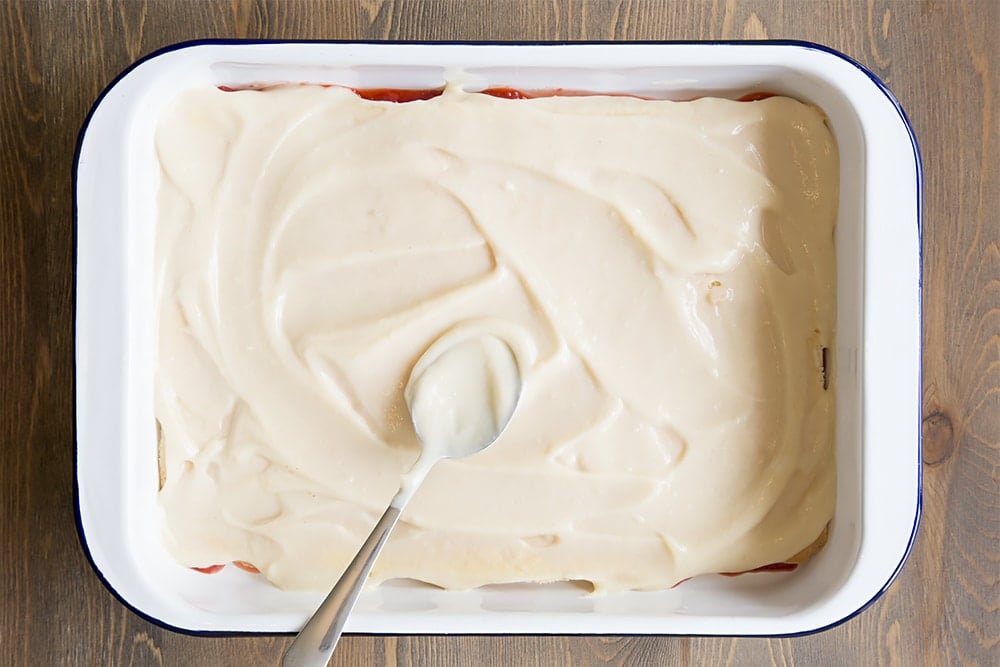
877 352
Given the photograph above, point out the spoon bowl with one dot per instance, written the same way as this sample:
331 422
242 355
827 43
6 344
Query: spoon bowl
461 396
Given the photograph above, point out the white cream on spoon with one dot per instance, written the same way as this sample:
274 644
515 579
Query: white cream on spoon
461 395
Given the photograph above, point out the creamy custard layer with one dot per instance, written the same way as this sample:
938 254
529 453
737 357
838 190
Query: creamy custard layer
663 271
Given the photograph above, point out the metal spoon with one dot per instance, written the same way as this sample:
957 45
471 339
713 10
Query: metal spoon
461 395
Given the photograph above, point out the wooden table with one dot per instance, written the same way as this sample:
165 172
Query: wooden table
941 59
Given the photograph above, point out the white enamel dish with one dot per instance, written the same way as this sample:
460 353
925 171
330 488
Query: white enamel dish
877 354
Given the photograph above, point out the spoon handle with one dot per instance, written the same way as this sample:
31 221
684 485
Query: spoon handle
315 642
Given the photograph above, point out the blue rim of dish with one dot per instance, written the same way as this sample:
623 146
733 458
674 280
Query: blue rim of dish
918 175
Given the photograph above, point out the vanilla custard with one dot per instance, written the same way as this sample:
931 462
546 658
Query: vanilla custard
663 271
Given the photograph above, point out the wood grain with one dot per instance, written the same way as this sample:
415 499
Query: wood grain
941 59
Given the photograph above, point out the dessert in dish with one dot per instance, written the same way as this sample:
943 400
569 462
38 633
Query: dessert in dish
663 271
